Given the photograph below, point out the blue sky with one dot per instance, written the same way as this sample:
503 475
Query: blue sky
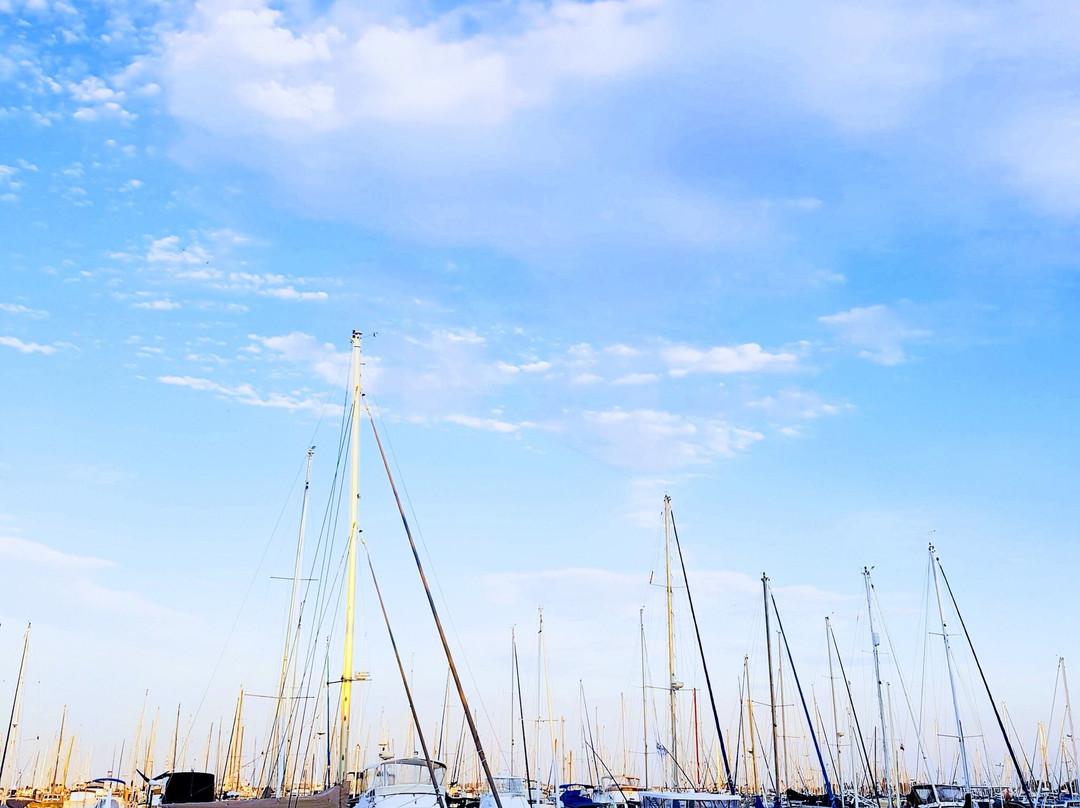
809 267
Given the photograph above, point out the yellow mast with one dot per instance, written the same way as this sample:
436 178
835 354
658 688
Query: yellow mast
750 729
350 597
673 685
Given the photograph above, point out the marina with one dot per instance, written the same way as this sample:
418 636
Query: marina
847 749
539 403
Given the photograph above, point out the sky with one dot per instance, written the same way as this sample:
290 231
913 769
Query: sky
809 268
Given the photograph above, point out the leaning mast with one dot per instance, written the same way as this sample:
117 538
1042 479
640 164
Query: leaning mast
875 642
347 674
948 664
15 703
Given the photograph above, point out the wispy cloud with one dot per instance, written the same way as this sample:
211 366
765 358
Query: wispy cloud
636 378
246 394
32 552
488 424
876 332
322 358
18 308
658 439
746 358
27 347
156 305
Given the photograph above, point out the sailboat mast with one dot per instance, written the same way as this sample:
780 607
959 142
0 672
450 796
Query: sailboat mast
644 698
948 664
751 745
481 757
18 688
1068 709
281 757
673 685
59 747
836 722
350 581
772 692
875 642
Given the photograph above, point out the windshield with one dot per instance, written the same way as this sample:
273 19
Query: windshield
401 774
510 785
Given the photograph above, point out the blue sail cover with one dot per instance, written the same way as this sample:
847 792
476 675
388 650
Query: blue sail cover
574 795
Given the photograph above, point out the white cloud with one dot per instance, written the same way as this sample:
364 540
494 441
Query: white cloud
798 405
345 69
466 336
876 332
291 293
1039 149
27 347
636 378
267 284
17 308
31 552
587 378
746 358
245 394
110 109
487 424
156 305
655 439
167 250
93 90
322 358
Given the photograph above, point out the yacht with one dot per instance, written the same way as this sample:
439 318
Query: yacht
401 783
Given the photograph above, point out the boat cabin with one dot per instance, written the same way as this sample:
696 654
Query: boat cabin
936 795
688 799
178 787
401 775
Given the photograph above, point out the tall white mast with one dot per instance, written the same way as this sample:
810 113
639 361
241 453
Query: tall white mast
952 679
644 695
347 674
673 683
836 722
875 641
1068 709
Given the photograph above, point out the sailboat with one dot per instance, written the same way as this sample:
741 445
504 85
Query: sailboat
935 795
192 789
673 796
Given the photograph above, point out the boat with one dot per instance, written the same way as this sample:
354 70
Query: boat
401 783
618 791
196 789
938 795
688 799
512 794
